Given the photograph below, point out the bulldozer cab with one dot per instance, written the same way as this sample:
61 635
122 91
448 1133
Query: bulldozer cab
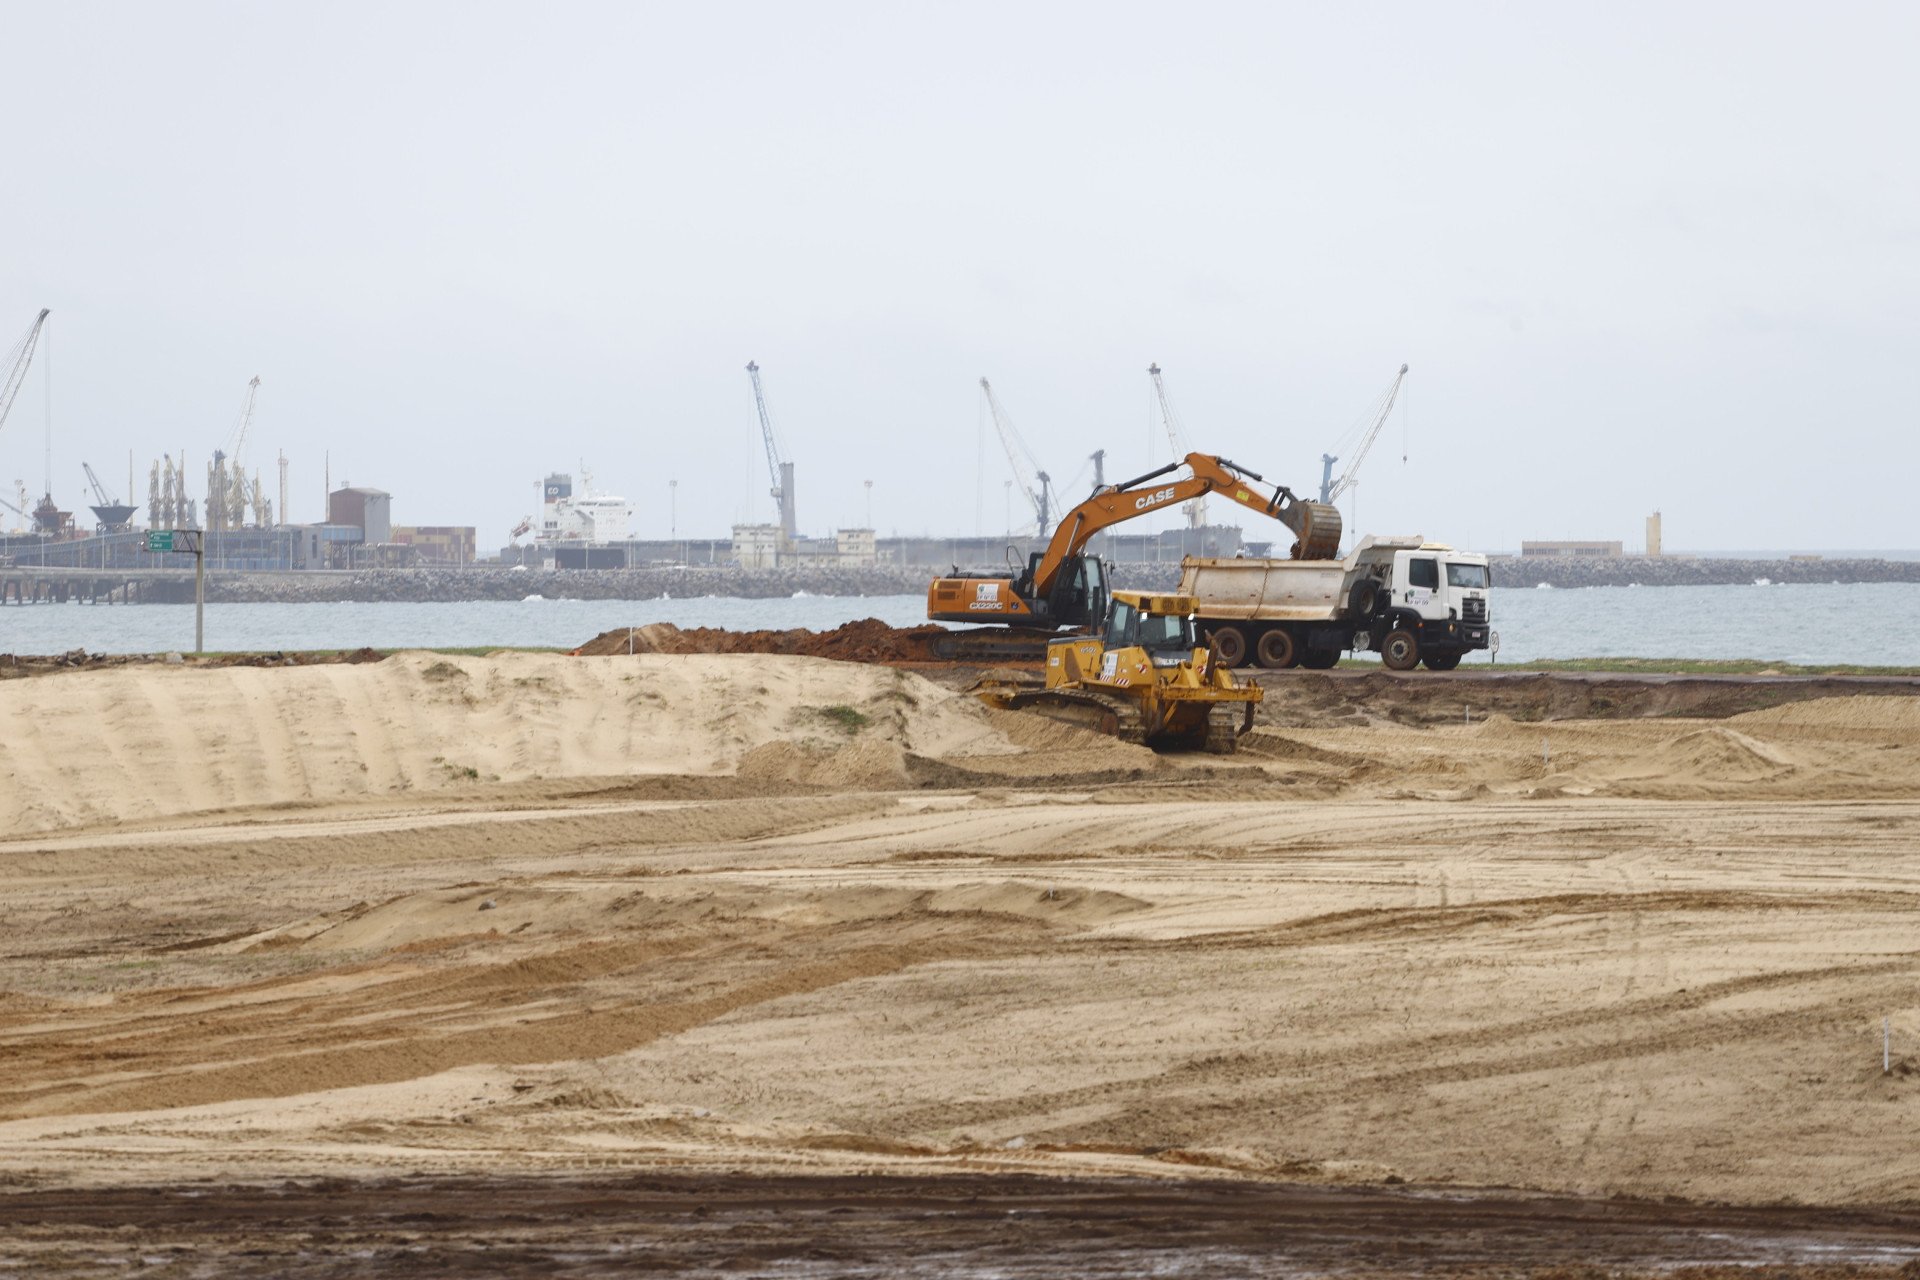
1142 621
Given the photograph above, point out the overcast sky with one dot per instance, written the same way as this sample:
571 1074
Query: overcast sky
1637 256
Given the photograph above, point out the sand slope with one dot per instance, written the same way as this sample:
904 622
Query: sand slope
138 743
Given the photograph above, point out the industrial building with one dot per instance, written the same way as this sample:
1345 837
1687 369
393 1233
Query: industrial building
369 510
449 545
1572 548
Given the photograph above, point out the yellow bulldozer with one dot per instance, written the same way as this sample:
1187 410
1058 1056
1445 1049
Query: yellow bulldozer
1142 678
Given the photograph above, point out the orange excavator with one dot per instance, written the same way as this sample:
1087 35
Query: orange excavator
1062 587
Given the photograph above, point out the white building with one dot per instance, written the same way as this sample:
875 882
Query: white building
763 546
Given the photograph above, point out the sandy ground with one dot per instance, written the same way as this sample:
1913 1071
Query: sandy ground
533 915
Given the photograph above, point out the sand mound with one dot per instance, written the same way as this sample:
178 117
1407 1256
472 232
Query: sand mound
1716 755
868 640
130 743
1900 715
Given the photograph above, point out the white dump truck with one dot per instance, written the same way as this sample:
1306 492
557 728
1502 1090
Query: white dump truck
1407 599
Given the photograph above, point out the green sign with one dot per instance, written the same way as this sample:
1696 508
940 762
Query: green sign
184 541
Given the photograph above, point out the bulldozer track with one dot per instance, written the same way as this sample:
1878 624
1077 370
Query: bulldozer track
1224 728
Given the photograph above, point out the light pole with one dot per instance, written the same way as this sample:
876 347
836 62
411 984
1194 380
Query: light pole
869 504
1008 484
673 515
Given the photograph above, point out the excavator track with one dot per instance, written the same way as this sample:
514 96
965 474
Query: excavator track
1086 708
994 644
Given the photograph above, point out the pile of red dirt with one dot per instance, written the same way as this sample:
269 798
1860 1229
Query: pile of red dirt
868 640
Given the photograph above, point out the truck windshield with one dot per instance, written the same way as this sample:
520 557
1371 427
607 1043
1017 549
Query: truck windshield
1162 632
1466 575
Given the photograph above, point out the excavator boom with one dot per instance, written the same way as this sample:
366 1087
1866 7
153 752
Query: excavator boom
1045 595
1316 527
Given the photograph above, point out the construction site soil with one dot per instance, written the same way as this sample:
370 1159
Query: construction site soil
868 640
762 964
1004 1226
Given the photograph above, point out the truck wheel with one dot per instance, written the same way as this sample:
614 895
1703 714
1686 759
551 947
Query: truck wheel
1400 651
1441 661
1275 648
1320 659
1231 644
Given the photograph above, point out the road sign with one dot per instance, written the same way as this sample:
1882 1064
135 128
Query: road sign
181 541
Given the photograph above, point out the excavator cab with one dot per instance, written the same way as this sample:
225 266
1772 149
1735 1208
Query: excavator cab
1079 594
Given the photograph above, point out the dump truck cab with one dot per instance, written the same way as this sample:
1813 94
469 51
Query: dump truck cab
1425 603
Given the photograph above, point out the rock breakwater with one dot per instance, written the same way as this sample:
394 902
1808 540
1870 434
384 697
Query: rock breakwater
1689 571
668 582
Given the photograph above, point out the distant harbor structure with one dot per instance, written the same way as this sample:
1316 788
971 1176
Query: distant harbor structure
1573 547
583 530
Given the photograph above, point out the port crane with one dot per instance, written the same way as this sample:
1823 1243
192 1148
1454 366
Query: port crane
777 465
230 493
1021 460
17 361
114 515
1177 437
1331 489
99 491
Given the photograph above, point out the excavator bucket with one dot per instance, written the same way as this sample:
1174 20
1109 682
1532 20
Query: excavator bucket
1319 528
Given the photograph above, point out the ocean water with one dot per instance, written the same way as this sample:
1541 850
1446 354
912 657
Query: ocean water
1869 623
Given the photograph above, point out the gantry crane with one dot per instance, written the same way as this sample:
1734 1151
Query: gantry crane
1039 489
1331 489
1177 437
777 466
17 361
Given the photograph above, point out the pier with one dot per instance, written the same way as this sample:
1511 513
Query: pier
42 584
